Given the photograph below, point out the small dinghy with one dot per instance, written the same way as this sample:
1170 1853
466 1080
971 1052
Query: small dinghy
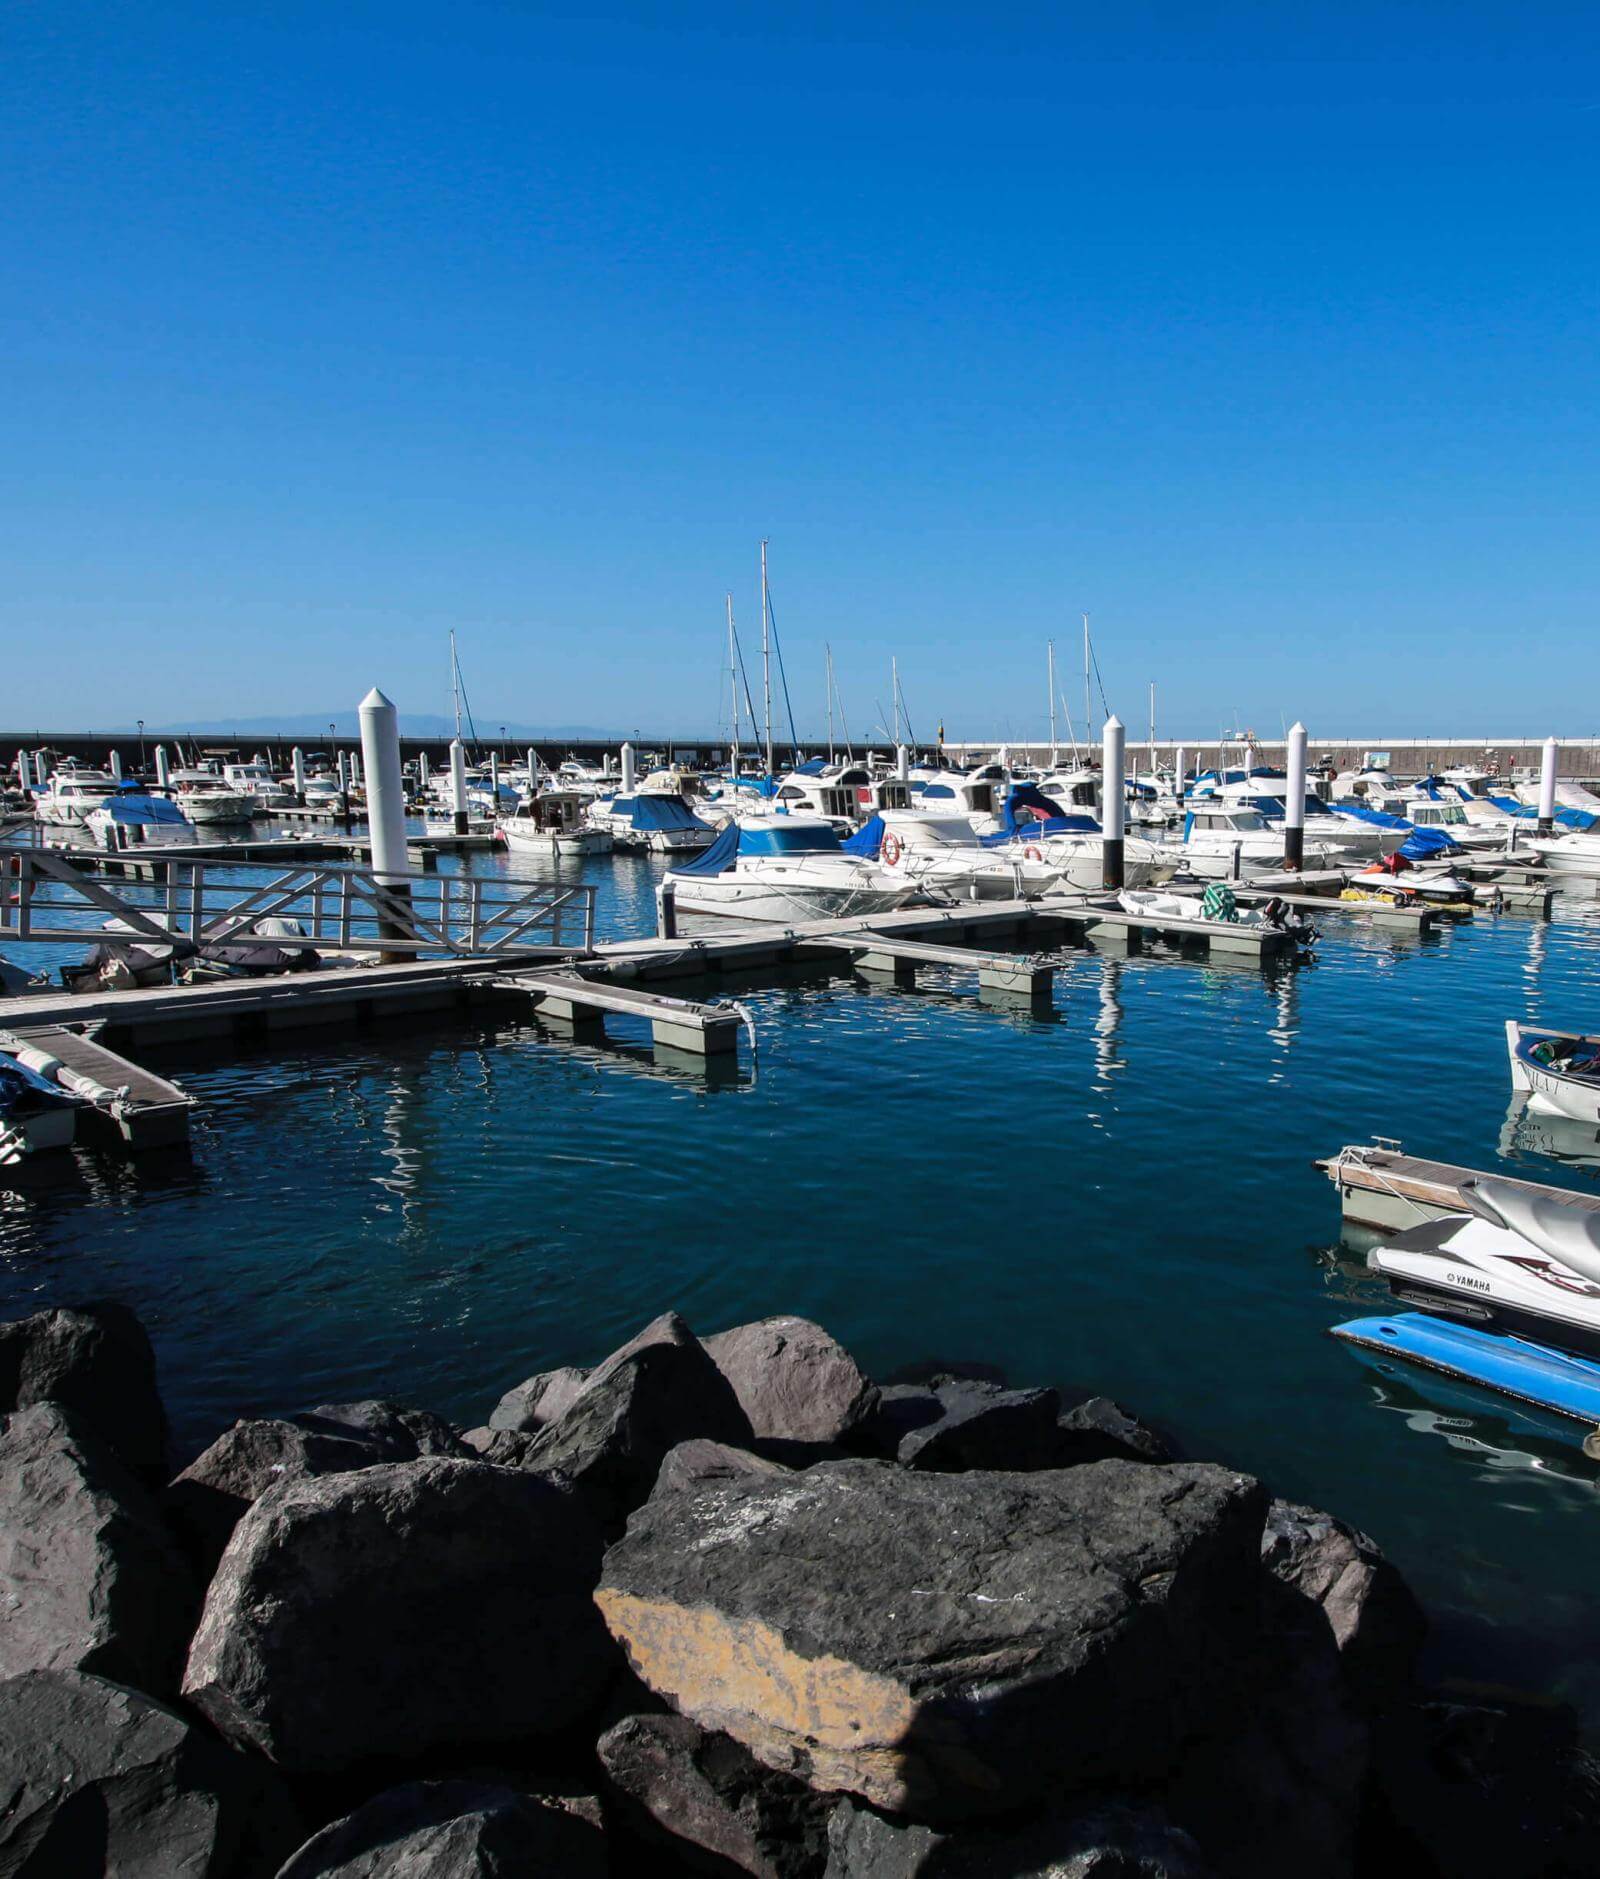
1218 906
1559 1070
1433 887
36 1114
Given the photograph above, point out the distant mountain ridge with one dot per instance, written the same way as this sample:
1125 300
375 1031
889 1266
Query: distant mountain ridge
412 724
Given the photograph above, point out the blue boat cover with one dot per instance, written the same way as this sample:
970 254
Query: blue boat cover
136 810
1572 818
664 812
795 838
1028 813
867 840
814 768
717 858
1533 1372
1425 844
1361 813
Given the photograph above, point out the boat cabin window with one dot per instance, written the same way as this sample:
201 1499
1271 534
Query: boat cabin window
980 799
791 793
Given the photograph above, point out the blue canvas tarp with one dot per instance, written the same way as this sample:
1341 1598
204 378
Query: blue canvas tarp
1427 844
867 840
136 810
664 812
1361 813
716 859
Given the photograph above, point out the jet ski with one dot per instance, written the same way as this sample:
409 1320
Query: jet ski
1434 887
1525 1264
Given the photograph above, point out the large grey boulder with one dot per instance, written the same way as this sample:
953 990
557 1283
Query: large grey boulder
1103 1840
710 1794
1371 1612
407 1608
946 1644
98 1778
794 1381
454 1830
94 1359
658 1390
981 1425
207 1500
531 1404
89 1579
1100 1430
692 1464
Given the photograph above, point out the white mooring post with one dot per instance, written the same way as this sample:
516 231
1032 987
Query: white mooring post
1547 789
533 772
1113 801
1180 763
458 786
163 769
297 769
116 766
494 780
627 769
423 773
24 771
902 763
1294 803
386 805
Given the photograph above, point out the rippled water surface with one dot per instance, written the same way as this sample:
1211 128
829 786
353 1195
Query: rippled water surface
1119 1196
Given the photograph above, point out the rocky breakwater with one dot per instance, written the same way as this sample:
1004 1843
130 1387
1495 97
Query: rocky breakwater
720 1605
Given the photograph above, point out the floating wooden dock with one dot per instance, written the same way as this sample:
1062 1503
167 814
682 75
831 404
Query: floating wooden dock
146 1111
681 1024
1387 1190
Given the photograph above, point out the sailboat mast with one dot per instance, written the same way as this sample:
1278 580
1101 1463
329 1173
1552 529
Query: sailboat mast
894 694
1088 709
1152 727
455 681
1051 648
733 686
829 651
766 652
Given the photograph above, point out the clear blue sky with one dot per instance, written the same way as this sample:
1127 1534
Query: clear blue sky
1270 339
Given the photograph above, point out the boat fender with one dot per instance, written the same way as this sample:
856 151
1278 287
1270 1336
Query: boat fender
1033 852
891 849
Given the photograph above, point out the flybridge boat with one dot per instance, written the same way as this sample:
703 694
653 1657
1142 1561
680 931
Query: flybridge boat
256 781
206 798
135 819
846 794
954 792
1451 819
1516 1262
1220 841
1559 1070
72 795
552 824
945 857
784 868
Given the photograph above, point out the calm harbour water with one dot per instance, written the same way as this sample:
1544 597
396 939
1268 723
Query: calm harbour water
1120 1197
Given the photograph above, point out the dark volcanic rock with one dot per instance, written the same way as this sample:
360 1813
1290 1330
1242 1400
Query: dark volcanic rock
454 1830
794 1382
538 1401
97 1778
659 1390
410 1607
1492 1789
900 1409
691 1464
208 1498
89 1579
1376 1623
1111 1840
946 1644
983 1426
709 1791
1101 1430
95 1360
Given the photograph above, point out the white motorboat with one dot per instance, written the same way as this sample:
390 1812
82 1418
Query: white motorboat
1576 853
1559 1070
1265 791
1513 1261
1217 907
658 820
553 824
847 794
1397 877
1223 842
204 797
72 795
133 818
945 857
1451 819
256 781
974 793
790 868
36 1114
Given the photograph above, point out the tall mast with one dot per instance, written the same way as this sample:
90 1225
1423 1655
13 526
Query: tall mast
733 686
1152 727
766 652
828 649
1052 664
894 693
455 681
1088 709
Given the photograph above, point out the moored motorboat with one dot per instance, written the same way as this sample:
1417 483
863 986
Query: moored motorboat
1217 907
36 1114
1559 1070
133 818
944 856
1576 853
783 868
553 824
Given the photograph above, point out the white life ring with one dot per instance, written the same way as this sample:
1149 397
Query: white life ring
892 849
1033 852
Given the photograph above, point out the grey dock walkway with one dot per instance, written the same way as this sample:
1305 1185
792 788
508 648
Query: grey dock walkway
148 1111
677 1023
1383 1188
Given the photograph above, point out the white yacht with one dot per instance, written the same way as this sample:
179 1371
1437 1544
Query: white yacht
71 795
1576 853
944 856
963 793
846 794
783 868
1452 820
204 797
1265 791
553 824
1220 840
255 780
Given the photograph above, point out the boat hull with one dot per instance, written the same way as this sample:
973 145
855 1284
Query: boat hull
746 899
1549 1091
1532 1373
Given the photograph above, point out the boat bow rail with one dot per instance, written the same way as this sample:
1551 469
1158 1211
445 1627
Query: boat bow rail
45 897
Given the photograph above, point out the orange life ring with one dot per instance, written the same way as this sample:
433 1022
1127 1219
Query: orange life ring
1033 852
892 848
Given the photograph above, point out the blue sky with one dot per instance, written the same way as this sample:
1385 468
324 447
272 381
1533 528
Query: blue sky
1270 340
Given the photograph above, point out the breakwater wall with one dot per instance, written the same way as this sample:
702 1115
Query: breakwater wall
726 1604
